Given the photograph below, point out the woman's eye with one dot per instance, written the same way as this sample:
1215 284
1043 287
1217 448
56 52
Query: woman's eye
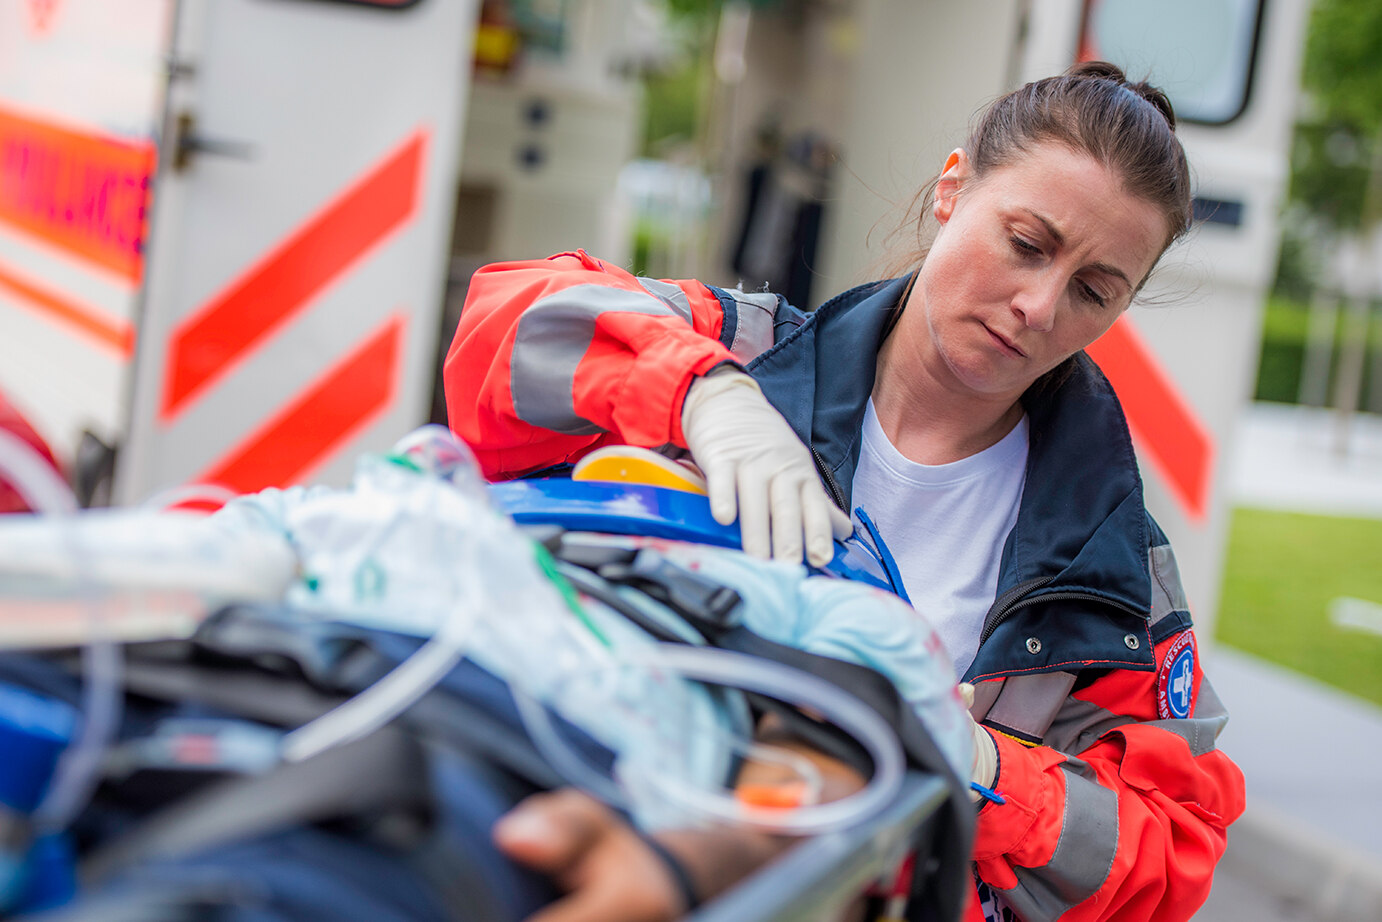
1024 247
1089 294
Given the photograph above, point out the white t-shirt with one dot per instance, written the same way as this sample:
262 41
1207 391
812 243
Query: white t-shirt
945 525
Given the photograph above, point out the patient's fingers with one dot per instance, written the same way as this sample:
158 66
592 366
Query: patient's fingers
610 874
549 832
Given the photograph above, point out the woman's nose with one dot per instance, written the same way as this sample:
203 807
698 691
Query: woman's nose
1036 304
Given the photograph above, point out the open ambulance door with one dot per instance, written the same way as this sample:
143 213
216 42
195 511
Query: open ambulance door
296 250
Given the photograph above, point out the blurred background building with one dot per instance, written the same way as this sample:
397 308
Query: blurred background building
235 236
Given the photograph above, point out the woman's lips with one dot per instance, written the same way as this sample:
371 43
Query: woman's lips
1004 343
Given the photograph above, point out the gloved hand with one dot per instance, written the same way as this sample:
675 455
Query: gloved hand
755 465
985 749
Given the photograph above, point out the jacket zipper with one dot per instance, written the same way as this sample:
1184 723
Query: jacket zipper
828 479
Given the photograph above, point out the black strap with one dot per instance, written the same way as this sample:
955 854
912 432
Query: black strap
708 606
384 770
285 701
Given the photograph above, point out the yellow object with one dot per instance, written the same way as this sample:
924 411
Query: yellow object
627 464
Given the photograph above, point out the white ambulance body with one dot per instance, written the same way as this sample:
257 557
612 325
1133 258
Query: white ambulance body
273 309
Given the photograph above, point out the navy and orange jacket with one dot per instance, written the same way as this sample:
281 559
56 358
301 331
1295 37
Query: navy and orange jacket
1116 799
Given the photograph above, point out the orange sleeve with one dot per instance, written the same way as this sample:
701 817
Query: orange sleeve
553 358
1131 829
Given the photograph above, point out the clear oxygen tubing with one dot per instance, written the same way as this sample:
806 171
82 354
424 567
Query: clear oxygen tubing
430 450
570 765
391 695
30 474
79 767
738 670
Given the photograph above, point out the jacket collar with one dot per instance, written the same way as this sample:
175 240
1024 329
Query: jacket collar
819 376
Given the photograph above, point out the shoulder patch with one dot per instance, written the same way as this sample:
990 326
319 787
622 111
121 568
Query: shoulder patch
1175 681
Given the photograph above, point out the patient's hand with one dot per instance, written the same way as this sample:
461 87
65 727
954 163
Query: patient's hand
609 873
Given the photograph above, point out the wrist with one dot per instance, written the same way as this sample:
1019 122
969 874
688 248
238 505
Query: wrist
984 771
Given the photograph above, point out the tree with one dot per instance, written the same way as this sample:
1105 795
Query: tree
1336 168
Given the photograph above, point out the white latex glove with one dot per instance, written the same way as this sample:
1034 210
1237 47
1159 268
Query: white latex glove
985 749
755 466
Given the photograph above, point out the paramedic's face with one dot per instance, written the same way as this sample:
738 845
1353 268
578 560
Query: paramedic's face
1030 265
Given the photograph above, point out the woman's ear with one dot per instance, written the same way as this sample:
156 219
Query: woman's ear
953 176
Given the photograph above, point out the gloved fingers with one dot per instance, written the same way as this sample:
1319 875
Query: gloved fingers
966 694
721 485
754 521
840 525
817 524
785 499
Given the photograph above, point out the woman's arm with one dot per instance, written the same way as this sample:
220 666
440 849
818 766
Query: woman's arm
1133 826
555 357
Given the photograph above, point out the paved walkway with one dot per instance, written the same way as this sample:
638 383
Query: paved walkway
1308 460
1310 845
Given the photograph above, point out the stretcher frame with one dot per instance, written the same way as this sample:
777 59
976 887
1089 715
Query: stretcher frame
819 876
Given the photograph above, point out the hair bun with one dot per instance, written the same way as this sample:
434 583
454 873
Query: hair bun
1099 70
1157 98
1103 70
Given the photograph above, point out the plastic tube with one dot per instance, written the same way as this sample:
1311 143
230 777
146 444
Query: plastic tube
432 452
31 474
560 754
737 670
79 766
393 694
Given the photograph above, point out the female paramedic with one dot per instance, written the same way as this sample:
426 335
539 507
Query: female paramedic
954 407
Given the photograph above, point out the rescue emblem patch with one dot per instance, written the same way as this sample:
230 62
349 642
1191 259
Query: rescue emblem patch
1175 681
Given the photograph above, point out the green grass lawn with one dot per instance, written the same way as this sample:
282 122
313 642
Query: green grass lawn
1282 571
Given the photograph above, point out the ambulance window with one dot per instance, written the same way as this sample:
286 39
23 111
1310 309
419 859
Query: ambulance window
1201 52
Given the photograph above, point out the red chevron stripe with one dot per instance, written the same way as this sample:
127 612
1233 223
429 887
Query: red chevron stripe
113 333
1177 443
325 415
242 316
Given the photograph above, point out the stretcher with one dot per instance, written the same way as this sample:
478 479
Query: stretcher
260 668
822 875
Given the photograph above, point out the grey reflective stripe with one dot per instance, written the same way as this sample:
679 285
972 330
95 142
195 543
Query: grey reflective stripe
1083 856
1080 723
1201 731
670 295
985 693
753 334
1168 595
1029 703
552 338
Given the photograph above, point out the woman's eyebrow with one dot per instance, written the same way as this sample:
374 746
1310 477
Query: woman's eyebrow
1059 238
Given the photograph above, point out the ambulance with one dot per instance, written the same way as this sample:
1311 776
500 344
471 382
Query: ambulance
228 227
274 308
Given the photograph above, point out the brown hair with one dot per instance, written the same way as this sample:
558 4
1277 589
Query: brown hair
1094 109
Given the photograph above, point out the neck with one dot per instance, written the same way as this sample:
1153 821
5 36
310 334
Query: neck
929 422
